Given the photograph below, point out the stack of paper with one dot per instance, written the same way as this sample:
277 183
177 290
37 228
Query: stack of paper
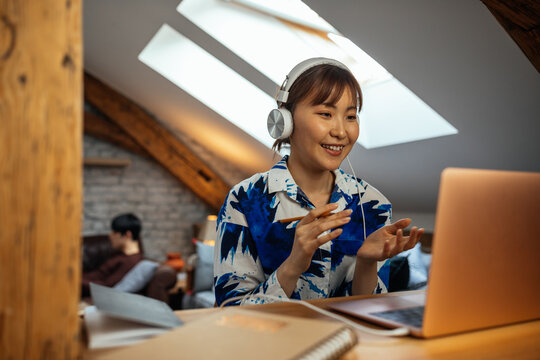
120 318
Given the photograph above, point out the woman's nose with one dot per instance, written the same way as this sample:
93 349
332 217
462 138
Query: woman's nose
338 129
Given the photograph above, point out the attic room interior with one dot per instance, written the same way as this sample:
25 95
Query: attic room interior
93 125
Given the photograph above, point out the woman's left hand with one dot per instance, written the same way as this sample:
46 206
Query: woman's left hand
389 241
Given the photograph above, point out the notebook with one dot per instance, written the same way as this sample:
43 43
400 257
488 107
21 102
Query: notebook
237 333
485 258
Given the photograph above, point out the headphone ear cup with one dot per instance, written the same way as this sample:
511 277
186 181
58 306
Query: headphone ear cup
280 123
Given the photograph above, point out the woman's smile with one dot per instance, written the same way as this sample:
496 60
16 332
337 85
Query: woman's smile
334 150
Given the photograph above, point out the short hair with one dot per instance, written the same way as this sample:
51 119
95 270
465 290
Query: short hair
128 222
320 83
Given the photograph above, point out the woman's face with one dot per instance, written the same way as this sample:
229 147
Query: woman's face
324 134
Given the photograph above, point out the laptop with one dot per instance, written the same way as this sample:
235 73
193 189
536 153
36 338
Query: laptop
485 266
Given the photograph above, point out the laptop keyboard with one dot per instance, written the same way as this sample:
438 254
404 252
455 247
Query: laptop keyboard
409 316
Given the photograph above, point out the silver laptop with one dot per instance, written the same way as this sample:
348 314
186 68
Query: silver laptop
485 267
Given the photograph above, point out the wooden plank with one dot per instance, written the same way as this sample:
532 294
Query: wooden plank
40 170
523 13
529 43
104 129
159 142
527 40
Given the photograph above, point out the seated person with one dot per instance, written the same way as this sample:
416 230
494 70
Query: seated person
343 241
127 246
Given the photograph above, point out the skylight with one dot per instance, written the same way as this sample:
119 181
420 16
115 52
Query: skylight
195 71
294 11
273 36
392 114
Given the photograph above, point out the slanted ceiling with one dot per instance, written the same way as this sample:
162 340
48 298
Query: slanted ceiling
521 19
129 126
454 55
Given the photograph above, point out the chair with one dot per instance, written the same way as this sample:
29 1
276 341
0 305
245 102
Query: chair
200 278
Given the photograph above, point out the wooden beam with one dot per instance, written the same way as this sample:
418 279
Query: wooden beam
521 20
41 178
159 142
106 130
523 13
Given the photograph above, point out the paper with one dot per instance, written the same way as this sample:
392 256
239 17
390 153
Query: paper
106 331
133 307
119 318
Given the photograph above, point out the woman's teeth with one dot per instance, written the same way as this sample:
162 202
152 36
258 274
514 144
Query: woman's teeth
333 147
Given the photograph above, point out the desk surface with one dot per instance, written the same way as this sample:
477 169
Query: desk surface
519 341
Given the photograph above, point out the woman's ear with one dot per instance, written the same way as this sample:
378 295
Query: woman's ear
129 235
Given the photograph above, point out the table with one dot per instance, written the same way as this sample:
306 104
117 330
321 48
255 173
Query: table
518 341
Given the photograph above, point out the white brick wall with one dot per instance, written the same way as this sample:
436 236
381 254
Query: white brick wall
168 210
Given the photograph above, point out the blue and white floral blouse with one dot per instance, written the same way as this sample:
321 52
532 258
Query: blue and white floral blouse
252 243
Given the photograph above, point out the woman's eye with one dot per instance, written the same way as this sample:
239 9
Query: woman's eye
325 114
352 117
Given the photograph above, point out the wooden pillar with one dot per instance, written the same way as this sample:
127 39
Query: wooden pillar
40 178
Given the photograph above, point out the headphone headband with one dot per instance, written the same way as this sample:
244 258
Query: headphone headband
280 122
298 70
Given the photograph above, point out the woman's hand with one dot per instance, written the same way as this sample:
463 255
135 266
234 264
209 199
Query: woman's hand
307 239
389 241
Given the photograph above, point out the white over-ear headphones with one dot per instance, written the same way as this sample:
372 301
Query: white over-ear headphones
280 121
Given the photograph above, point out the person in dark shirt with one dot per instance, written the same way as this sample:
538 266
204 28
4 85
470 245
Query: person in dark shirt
127 252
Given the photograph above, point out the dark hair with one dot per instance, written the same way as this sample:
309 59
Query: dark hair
323 83
128 222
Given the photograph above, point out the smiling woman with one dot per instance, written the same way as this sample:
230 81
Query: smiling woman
341 245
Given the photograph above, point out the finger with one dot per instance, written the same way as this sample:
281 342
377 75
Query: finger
417 238
413 234
411 240
400 224
319 227
386 249
399 236
337 215
328 237
318 212
420 233
400 243
335 219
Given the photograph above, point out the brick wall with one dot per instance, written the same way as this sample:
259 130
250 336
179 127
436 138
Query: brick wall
167 208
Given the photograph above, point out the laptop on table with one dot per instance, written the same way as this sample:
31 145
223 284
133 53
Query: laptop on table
485 266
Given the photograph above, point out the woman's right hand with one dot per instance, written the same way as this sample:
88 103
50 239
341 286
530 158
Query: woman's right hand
308 237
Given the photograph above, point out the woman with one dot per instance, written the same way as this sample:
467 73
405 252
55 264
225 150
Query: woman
340 245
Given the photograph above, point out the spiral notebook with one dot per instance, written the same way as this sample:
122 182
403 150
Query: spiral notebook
236 333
